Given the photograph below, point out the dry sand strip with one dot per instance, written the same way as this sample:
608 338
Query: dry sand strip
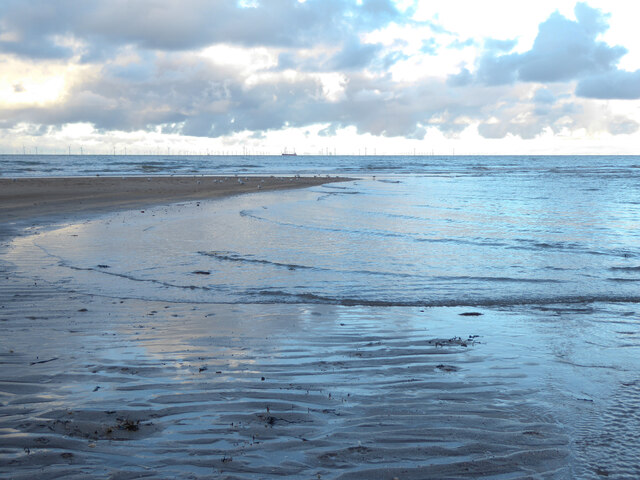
23 198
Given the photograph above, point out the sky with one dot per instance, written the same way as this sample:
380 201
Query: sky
320 76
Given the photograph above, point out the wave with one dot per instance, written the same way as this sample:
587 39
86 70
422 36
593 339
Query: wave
147 167
459 241
372 233
497 279
527 244
101 269
335 187
520 243
239 165
333 194
280 296
234 257
104 270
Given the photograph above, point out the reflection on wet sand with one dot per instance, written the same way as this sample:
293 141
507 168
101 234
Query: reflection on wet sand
245 390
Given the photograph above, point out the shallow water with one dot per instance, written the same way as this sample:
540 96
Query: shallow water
402 240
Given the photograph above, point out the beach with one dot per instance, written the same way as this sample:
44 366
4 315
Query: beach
319 240
34 197
137 344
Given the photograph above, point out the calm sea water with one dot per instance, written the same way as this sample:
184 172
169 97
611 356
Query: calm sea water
437 231
604 167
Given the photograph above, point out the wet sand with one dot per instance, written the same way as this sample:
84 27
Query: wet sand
103 387
96 387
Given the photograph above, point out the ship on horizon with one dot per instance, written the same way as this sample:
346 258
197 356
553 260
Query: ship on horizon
285 153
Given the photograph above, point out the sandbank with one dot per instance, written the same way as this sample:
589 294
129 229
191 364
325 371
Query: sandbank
22 198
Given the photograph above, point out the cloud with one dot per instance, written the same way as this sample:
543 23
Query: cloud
461 79
617 84
544 96
563 50
32 26
160 66
184 94
500 45
351 55
623 126
460 44
499 70
354 55
429 46
557 113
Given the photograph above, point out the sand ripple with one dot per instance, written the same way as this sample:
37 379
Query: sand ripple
130 389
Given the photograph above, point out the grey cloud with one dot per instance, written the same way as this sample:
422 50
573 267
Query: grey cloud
102 29
493 130
31 32
182 94
623 126
134 72
563 50
186 95
523 119
329 131
543 100
374 9
618 84
500 45
354 55
519 119
288 60
460 44
168 25
498 70
592 20
35 50
461 79
544 96
529 120
389 60
178 92
527 131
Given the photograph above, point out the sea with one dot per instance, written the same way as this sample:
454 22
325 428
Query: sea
411 231
546 248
